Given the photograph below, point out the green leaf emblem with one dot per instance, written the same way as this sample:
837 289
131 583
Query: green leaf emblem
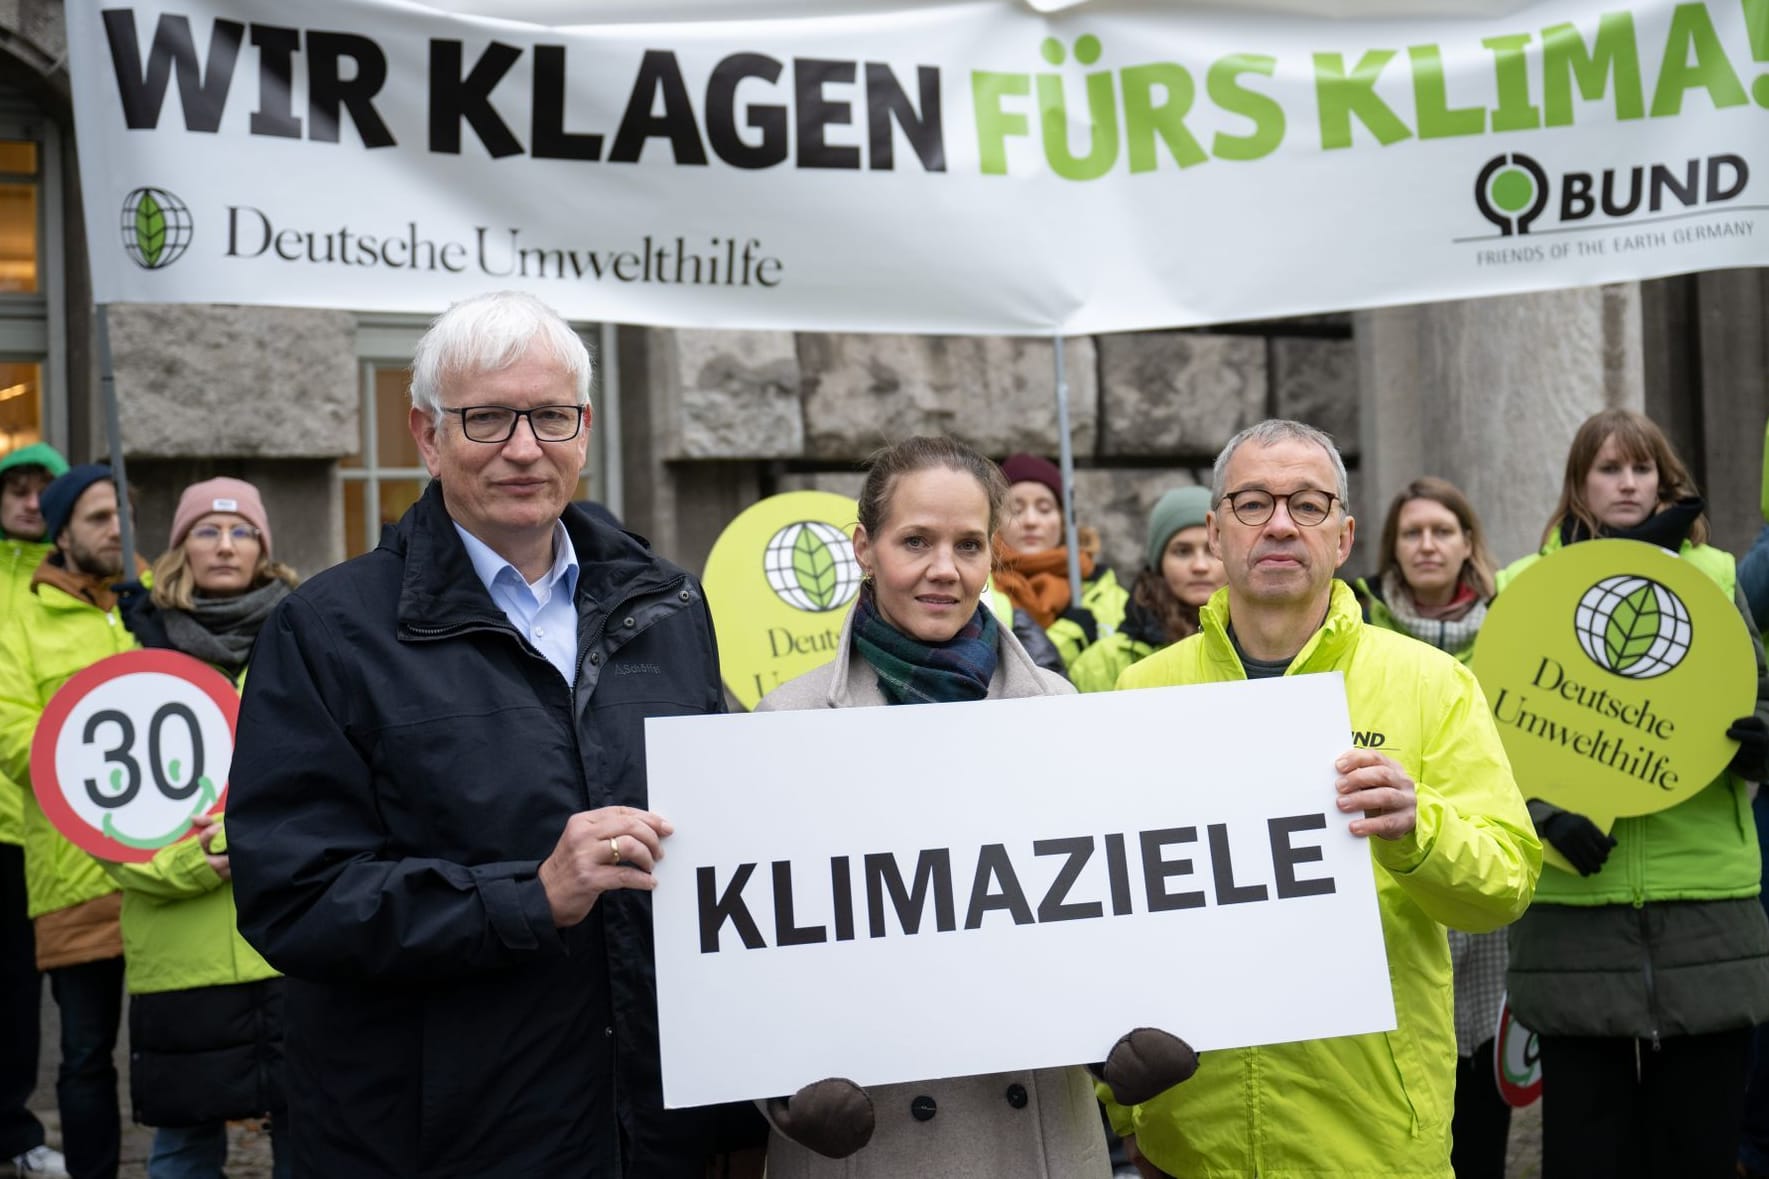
1632 628
814 567
150 228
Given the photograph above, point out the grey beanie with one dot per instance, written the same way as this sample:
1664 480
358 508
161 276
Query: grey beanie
1181 508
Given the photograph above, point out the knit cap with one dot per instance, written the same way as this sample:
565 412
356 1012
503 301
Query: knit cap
57 501
220 495
37 454
1179 509
1029 468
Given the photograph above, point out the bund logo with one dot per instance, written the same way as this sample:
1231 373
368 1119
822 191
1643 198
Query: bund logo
1511 191
1633 627
811 566
156 227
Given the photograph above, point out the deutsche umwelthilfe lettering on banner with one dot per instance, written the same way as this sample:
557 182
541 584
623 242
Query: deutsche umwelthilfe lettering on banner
964 168
888 894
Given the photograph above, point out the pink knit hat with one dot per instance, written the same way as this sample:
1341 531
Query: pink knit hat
220 495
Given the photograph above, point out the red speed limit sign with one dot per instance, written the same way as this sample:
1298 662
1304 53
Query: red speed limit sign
132 749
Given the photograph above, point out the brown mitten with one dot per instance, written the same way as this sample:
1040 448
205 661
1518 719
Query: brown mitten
832 1117
1145 1062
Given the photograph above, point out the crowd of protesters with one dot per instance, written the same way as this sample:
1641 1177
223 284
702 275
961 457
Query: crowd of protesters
419 943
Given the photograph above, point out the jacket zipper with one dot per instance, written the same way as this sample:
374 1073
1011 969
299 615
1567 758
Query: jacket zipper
1651 983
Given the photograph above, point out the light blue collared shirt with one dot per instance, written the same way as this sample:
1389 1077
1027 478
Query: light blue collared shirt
542 611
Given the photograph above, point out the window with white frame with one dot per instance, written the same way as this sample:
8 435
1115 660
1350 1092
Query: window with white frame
33 397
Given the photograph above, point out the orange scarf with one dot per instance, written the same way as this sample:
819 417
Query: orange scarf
1037 583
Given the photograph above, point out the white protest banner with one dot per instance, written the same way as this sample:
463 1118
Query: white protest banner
132 749
961 168
890 894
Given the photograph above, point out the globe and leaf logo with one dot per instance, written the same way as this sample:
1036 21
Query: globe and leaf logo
1633 626
156 227
811 566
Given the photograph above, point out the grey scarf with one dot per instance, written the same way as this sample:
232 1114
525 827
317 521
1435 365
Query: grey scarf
1446 634
222 630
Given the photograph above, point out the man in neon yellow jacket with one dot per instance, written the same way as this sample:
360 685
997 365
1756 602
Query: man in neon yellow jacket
70 622
1452 842
24 473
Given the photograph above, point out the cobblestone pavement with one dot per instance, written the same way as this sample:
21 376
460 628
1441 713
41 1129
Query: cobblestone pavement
249 1145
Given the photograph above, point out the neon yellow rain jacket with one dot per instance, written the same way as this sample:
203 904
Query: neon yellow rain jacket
18 560
41 648
1374 1105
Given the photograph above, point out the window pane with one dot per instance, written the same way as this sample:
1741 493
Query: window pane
18 238
396 447
21 405
355 532
396 496
18 157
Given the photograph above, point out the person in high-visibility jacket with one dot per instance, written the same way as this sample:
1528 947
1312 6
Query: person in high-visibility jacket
1166 596
69 622
1032 562
1434 583
24 473
1643 970
1429 784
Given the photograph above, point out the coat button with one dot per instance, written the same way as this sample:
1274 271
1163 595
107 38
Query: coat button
1016 1096
685 596
922 1109
596 657
629 623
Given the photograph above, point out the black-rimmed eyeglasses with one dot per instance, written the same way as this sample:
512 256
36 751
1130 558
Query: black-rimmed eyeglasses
1255 506
497 423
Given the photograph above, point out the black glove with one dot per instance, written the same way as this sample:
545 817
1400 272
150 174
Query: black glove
833 1117
1578 839
1752 759
1145 1062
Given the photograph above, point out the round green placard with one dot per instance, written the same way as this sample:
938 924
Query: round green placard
1613 669
778 581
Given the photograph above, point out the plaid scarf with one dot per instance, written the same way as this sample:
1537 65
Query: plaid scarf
1444 633
913 672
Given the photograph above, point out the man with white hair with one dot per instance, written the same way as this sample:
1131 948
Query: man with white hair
438 804
1428 784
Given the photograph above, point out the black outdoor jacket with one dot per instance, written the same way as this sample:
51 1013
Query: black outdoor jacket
405 761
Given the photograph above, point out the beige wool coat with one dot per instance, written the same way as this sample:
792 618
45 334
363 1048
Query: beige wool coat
1036 1124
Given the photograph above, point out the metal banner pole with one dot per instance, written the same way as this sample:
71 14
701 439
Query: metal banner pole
113 428
1066 458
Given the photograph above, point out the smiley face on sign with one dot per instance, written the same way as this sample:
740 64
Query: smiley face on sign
132 749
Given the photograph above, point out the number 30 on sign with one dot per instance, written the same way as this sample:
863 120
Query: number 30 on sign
132 749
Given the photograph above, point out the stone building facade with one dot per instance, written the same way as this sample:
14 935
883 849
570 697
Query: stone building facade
694 425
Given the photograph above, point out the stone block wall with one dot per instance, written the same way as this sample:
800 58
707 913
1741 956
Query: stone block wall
716 420
267 394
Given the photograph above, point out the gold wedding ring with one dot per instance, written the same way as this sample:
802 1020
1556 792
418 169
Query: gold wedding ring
614 846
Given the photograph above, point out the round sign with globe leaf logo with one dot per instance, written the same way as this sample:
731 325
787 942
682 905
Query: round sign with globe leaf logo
1633 627
811 566
779 581
1613 669
156 227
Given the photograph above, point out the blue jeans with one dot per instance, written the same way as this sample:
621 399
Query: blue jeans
199 1152
90 997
